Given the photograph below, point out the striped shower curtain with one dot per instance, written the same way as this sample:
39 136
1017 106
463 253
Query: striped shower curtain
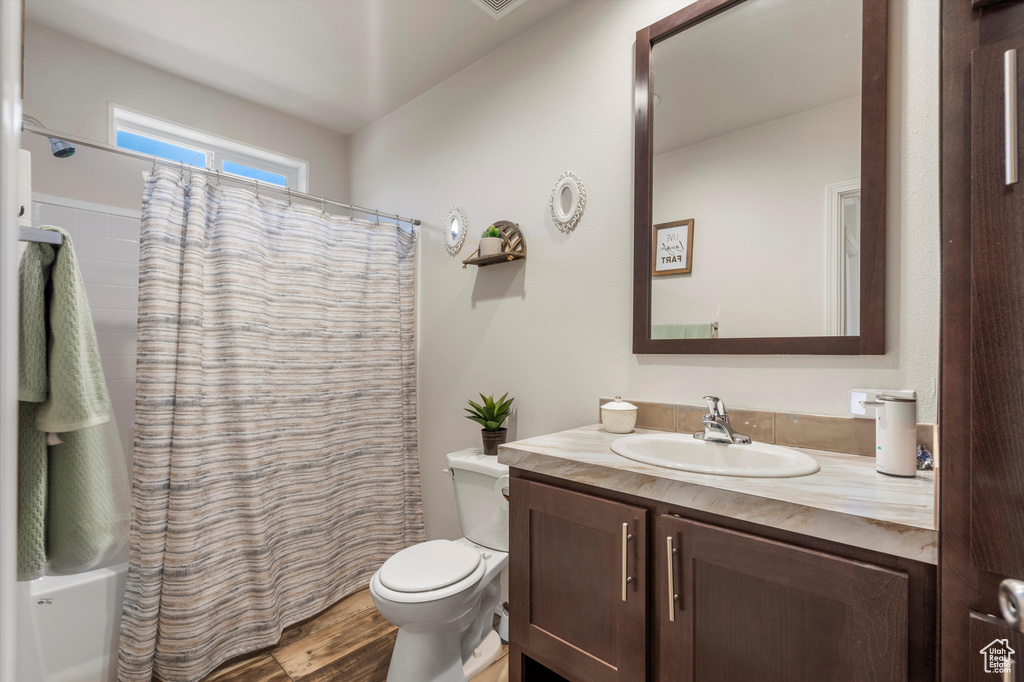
275 431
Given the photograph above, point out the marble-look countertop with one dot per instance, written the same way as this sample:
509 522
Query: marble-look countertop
847 501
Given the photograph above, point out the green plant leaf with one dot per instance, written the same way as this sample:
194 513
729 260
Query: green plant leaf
493 426
478 420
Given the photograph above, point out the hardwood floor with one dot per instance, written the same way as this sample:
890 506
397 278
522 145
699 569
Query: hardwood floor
349 642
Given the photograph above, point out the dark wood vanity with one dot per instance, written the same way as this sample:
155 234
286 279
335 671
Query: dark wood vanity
607 587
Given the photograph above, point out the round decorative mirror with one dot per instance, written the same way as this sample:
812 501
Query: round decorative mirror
568 201
454 230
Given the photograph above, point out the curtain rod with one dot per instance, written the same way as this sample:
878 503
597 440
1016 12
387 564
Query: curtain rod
233 178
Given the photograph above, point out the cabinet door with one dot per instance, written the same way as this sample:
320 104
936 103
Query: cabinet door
745 608
578 583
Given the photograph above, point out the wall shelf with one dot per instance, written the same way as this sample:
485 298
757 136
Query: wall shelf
513 247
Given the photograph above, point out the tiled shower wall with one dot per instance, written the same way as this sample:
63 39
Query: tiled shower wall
106 242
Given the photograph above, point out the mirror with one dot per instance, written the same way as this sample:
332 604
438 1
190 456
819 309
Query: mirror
756 220
455 230
568 199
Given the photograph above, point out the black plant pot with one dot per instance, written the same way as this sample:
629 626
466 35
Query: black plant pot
492 439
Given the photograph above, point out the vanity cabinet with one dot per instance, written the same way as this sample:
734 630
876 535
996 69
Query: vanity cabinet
687 600
578 573
733 606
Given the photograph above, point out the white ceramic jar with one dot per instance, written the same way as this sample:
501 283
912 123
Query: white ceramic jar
618 416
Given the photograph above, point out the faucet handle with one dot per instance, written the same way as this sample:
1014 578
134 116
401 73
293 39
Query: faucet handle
716 407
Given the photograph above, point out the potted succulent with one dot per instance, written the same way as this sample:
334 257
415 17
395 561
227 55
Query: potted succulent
491 242
491 415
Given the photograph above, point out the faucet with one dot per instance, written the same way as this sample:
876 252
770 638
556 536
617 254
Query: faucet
717 428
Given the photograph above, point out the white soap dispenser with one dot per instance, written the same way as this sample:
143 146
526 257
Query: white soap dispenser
895 430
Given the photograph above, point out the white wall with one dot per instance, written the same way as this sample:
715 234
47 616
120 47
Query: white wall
758 200
555 329
68 85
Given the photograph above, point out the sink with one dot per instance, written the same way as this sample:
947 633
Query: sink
684 452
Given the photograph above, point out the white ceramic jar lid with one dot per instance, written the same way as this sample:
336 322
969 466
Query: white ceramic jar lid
429 566
618 404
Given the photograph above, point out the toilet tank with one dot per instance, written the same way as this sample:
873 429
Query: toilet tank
483 510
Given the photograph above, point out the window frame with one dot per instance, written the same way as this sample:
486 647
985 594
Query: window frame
218 149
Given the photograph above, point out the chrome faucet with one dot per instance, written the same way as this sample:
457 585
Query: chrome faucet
717 428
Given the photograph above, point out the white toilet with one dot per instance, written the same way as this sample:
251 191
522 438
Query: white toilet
443 594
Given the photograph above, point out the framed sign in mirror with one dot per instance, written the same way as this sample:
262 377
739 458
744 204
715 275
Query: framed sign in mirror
765 122
673 248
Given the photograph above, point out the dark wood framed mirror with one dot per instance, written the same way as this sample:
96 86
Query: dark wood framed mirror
761 124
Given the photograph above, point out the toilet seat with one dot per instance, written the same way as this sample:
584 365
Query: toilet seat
429 566
467 582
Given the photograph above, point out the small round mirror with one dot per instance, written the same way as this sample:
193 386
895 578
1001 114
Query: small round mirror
454 230
568 201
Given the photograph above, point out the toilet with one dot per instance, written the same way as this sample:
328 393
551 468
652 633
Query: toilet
443 594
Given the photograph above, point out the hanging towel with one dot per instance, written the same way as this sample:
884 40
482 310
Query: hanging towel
72 494
683 331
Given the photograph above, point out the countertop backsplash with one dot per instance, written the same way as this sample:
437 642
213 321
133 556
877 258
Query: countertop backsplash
848 435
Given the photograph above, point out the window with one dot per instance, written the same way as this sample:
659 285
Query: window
154 137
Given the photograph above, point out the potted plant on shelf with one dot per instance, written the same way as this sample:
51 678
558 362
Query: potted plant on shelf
490 242
491 415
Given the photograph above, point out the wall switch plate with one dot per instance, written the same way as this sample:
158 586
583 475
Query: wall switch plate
858 396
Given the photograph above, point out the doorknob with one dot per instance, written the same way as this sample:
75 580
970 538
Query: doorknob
1011 603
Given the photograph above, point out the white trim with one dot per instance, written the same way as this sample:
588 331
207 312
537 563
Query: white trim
835 256
54 200
216 147
10 143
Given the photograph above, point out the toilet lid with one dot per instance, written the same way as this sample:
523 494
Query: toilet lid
429 566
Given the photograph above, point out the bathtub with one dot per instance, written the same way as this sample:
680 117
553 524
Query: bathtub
69 625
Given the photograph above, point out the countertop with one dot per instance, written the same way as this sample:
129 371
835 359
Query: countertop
847 501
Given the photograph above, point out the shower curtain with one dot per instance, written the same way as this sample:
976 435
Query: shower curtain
276 463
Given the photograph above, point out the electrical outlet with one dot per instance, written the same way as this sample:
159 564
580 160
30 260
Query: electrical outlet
859 396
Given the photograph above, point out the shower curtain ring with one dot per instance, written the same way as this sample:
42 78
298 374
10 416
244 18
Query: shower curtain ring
257 190
289 190
376 217
153 169
218 177
323 206
181 171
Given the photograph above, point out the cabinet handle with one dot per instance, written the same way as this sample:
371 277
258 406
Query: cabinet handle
1010 113
626 579
672 596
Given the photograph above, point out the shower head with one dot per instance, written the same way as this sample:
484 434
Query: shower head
62 149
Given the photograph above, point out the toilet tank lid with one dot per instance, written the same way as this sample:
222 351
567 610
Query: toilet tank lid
429 566
473 459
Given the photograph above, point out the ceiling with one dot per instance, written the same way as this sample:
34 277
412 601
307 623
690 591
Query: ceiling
728 73
341 64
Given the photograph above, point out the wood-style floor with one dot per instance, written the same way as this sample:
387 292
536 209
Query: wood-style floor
349 642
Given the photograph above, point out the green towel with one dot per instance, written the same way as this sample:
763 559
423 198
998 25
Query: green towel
683 331
68 492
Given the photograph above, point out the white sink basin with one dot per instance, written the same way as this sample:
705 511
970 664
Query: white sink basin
683 451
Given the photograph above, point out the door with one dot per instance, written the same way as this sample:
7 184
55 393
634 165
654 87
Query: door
982 406
730 606
578 584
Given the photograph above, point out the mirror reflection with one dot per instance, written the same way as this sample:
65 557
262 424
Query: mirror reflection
453 230
756 185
